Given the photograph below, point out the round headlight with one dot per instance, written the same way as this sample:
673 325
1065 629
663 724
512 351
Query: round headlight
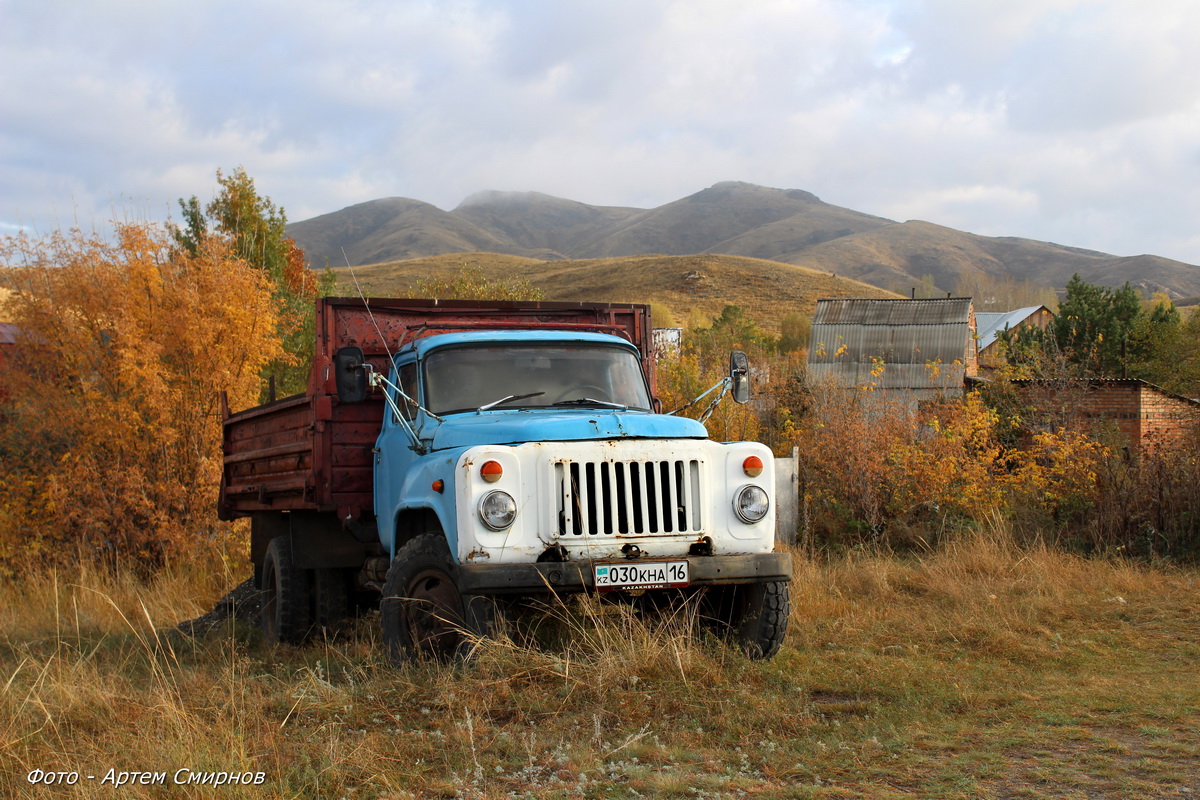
751 504
497 510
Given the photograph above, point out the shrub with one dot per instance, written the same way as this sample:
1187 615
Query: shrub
110 444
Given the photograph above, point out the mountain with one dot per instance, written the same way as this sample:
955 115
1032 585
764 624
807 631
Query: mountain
731 218
541 225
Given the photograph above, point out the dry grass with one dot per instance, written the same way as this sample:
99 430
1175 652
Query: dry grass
766 289
977 671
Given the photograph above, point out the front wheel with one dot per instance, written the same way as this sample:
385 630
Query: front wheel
422 612
754 616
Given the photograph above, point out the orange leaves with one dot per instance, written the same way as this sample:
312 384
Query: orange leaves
113 394
876 469
298 279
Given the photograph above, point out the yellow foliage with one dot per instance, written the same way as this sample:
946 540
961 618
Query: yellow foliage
950 459
1057 472
110 444
682 378
877 469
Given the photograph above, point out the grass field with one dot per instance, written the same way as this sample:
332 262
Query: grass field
702 284
977 671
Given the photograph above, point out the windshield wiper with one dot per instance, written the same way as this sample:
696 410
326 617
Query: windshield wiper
508 399
589 401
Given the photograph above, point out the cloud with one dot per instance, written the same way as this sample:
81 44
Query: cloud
1069 120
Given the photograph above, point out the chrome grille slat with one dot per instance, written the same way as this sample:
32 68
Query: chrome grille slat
637 497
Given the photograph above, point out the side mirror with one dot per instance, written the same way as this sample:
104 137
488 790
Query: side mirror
739 376
349 375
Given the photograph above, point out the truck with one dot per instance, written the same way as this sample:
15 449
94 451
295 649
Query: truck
452 458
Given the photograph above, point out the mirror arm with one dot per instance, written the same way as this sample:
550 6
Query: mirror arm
376 380
725 384
701 396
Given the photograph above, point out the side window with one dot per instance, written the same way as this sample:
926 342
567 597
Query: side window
408 382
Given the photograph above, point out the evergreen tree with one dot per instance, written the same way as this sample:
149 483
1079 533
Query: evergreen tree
1165 350
1094 323
256 230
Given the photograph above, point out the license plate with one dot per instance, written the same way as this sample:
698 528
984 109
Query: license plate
640 575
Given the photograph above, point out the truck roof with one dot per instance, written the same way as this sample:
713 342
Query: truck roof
382 325
428 343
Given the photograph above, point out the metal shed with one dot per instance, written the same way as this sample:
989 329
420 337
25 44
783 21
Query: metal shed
8 337
992 323
924 346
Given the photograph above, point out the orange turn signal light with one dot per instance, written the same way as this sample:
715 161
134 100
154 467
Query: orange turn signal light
752 466
439 486
491 471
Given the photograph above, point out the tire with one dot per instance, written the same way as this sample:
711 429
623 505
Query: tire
424 616
752 616
331 600
285 616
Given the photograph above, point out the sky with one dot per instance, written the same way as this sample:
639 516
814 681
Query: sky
1072 121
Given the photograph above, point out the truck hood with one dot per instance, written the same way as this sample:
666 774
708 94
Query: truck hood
518 427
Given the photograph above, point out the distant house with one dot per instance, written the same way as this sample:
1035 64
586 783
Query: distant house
925 348
1146 415
667 341
8 345
990 324
8 339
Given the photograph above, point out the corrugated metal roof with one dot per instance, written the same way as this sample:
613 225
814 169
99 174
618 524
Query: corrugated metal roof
860 311
892 376
992 323
918 341
895 344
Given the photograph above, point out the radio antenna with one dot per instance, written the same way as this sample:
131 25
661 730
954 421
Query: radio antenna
398 386
367 305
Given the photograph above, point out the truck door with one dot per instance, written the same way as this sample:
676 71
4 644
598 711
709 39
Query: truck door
393 451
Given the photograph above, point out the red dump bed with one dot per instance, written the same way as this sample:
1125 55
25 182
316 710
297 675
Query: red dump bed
310 452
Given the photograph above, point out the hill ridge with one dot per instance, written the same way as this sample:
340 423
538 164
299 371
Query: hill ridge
685 285
734 218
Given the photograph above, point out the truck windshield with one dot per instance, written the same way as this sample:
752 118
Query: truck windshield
469 377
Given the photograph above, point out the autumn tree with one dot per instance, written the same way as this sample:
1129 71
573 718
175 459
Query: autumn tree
794 331
704 362
1004 293
733 329
257 233
1165 350
110 444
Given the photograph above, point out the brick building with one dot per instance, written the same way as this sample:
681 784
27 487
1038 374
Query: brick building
1146 415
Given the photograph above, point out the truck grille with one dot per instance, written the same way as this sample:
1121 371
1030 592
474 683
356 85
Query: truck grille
612 498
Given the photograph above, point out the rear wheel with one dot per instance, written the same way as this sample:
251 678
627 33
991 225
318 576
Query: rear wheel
285 615
331 599
422 612
753 616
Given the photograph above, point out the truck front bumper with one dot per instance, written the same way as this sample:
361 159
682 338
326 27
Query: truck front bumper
576 576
